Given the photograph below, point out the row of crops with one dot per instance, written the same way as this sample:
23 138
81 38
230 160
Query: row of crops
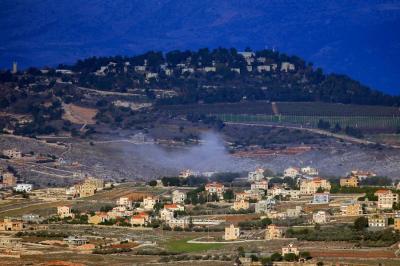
286 108
334 109
363 122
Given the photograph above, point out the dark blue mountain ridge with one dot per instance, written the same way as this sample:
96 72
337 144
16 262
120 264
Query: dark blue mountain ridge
357 38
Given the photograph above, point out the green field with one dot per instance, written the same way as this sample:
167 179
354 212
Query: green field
181 246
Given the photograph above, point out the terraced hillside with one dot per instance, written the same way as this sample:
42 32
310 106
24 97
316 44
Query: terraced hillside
372 118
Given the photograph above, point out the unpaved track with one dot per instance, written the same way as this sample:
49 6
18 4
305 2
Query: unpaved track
316 131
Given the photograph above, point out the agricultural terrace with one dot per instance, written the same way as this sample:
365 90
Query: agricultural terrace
299 113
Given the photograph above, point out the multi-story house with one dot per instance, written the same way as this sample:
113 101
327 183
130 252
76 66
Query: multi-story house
124 201
362 174
9 224
64 211
274 232
294 212
85 189
351 208
290 249
386 198
9 179
378 221
149 202
257 175
291 172
215 188
262 184
264 206
166 214
321 198
178 196
397 223
141 219
320 217
23 187
311 186
232 232
310 171
181 222
13 153
351 181
174 207
241 205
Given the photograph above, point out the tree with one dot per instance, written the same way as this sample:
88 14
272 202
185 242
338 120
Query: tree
360 223
276 257
153 183
324 124
229 195
337 128
305 255
290 257
240 251
106 208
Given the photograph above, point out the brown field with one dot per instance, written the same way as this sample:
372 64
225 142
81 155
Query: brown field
241 218
79 115
353 254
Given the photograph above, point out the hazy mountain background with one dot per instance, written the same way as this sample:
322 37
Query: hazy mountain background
358 38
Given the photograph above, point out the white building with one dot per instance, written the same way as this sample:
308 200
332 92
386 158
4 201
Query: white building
166 214
294 212
310 171
257 175
237 70
149 202
263 68
386 198
209 69
12 153
124 201
181 222
64 211
23 188
263 184
232 232
320 217
263 206
150 75
378 222
178 196
290 249
140 68
291 172
286 66
247 55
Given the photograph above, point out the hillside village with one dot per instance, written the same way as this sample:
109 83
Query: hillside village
64 191
290 213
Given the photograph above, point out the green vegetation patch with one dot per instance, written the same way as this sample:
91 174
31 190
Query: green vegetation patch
181 246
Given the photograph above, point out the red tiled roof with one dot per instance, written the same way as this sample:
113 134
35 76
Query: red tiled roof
170 206
214 184
382 191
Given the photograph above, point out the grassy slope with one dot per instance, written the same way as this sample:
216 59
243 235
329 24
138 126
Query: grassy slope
181 246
